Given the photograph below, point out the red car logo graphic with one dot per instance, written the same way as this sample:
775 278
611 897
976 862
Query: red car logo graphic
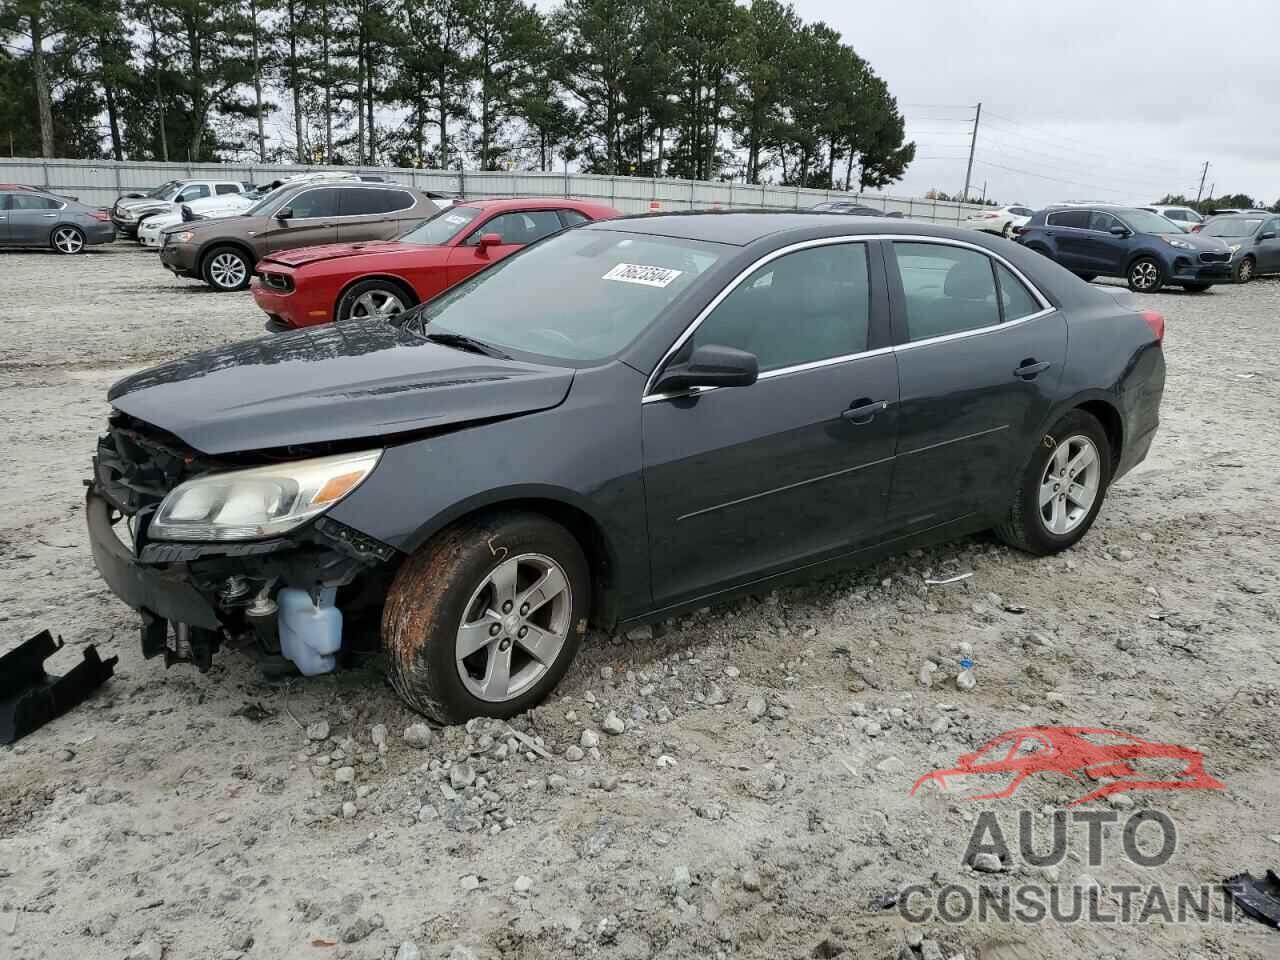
1075 751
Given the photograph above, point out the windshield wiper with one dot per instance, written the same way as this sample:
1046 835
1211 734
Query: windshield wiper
463 342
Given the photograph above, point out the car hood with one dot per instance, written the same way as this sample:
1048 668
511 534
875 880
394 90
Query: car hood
348 381
336 251
1206 244
143 203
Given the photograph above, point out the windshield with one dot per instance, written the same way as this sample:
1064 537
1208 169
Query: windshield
268 198
1142 222
580 295
443 227
1231 227
165 191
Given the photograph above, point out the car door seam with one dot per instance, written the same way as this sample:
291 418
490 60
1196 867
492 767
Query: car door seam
943 443
783 489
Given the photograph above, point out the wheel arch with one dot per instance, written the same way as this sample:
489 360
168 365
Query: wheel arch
210 245
1142 254
1102 407
562 506
400 282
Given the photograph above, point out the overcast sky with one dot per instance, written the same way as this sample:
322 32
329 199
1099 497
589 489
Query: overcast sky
1122 100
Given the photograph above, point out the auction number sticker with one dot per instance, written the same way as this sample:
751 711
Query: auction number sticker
645 276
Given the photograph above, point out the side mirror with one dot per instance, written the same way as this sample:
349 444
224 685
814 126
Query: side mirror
710 366
1267 235
488 240
284 213
1119 232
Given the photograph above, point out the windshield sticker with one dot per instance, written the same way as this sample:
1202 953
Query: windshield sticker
645 276
456 218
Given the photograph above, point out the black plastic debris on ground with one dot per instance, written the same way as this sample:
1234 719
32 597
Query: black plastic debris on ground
30 698
1259 898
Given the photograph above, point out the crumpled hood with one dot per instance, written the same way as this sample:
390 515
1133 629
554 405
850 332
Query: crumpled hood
345 381
335 251
143 204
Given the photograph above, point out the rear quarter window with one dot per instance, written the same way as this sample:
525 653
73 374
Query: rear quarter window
1069 218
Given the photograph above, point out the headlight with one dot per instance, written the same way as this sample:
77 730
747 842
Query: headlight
1180 244
262 502
128 215
1234 247
186 236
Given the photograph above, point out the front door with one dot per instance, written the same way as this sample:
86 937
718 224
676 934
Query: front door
516 229
1106 252
1269 249
743 482
312 220
979 358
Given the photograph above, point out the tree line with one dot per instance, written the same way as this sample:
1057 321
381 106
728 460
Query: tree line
702 89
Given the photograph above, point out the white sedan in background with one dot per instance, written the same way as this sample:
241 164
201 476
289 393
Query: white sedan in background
207 208
1001 220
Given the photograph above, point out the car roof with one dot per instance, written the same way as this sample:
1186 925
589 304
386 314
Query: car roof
740 228
532 203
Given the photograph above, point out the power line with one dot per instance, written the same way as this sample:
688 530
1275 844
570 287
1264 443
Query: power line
1059 140
1040 176
1054 162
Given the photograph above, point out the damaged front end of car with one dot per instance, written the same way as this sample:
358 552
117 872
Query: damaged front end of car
236 551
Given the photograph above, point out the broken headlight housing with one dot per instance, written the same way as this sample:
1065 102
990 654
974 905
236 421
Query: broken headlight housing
261 502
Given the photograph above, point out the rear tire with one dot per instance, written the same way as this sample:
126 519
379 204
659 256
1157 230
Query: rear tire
226 268
1007 232
459 639
1245 270
373 298
1052 511
67 240
1145 275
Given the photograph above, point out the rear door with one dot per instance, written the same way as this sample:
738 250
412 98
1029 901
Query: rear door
980 355
32 218
743 482
364 213
312 220
516 229
1068 228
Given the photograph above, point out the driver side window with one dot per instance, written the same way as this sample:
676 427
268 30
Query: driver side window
1102 222
806 306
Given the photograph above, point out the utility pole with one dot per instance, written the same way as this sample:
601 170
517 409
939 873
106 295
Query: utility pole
973 142
1203 173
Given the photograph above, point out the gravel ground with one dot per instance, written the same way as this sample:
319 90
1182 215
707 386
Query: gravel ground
757 800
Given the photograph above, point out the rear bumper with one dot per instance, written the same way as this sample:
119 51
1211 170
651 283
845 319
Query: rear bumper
143 587
1141 393
100 232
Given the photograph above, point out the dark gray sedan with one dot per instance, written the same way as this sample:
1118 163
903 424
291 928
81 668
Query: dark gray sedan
621 422
34 218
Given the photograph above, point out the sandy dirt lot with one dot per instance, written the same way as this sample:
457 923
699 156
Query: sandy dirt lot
758 803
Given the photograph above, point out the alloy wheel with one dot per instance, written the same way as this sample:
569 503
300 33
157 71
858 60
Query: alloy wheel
1007 232
376 303
1069 485
1145 275
1246 270
514 627
68 240
228 270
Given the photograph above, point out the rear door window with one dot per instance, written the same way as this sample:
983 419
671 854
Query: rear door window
1016 300
20 201
1069 218
356 202
947 289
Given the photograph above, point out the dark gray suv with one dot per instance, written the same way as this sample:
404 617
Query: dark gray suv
223 252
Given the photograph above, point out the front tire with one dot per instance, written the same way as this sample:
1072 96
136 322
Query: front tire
1245 270
67 240
1145 275
373 298
226 268
1062 487
486 617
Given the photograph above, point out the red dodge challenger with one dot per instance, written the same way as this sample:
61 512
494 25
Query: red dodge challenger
313 285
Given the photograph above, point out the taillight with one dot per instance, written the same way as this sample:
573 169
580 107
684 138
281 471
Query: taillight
1155 321
1021 230
1195 228
100 215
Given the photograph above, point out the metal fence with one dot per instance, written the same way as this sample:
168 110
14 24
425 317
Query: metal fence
99 182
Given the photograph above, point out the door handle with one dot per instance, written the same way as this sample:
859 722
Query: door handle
48 216
1031 369
864 410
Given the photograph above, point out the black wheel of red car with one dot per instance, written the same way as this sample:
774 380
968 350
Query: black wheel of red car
1062 487
226 268
373 298
1245 270
486 617
1145 275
